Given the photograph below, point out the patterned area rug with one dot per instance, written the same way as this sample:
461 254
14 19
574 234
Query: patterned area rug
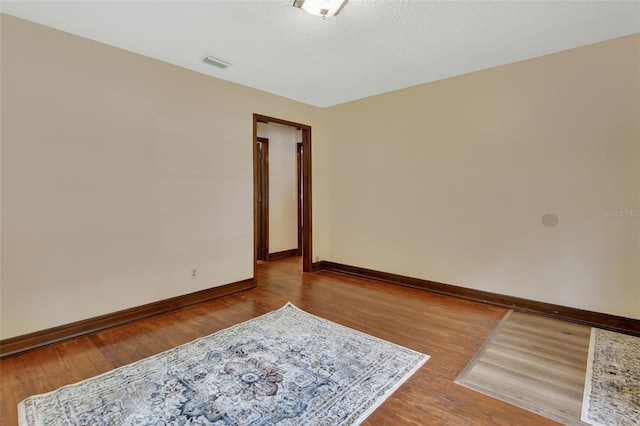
286 367
612 386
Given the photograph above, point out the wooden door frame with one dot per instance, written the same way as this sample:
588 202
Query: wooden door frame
263 208
299 195
307 243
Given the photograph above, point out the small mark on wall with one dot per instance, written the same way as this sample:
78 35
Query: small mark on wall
550 220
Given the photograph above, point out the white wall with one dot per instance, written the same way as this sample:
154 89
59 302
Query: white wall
120 173
448 181
283 192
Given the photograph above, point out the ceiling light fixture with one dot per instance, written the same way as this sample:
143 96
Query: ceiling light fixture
324 8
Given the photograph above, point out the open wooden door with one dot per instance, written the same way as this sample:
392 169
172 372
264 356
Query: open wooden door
263 198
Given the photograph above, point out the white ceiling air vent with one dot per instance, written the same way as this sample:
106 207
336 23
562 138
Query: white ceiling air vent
215 62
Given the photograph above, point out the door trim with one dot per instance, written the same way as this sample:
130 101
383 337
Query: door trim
307 243
263 207
299 195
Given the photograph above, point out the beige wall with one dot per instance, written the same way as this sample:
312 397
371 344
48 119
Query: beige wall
283 194
448 181
120 173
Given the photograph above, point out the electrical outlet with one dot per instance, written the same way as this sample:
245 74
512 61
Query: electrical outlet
194 273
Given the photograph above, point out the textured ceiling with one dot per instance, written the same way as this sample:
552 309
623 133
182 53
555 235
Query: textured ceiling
371 47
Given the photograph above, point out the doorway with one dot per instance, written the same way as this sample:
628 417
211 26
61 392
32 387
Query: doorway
303 152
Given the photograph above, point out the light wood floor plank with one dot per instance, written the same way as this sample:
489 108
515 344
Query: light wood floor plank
532 366
534 362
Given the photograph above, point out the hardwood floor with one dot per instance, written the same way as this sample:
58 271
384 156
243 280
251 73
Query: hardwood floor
450 330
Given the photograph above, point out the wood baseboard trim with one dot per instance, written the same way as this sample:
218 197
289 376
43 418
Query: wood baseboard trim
283 254
27 342
594 319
